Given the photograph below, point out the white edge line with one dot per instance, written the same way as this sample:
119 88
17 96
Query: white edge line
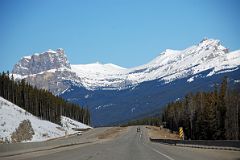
170 158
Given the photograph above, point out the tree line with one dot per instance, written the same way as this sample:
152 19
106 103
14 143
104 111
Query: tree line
206 115
40 102
152 121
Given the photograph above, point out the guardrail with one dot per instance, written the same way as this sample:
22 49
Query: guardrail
215 143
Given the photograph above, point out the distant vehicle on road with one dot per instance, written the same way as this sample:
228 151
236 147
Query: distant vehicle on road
79 134
138 129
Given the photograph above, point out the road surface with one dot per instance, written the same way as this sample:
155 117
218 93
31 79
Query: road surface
130 145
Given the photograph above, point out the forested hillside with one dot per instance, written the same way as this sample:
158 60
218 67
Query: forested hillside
207 115
152 121
39 102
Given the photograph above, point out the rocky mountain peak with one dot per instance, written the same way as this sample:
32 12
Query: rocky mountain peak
211 44
42 62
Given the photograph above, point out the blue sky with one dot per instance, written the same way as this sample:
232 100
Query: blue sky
124 32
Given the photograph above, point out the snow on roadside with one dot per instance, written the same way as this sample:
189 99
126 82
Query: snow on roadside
11 116
69 125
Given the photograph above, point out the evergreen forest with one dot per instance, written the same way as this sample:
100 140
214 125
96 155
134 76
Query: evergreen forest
40 102
206 115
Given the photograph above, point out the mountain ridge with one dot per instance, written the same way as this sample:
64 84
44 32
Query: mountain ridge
168 66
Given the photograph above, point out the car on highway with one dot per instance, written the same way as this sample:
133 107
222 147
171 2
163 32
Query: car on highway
138 129
79 133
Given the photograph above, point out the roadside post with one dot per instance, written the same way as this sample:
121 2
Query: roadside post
181 133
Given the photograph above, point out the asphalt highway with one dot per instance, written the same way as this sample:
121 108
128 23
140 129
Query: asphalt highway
130 145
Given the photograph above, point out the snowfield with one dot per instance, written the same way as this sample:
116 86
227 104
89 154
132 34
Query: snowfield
11 116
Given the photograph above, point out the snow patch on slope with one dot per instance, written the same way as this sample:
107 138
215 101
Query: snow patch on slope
72 126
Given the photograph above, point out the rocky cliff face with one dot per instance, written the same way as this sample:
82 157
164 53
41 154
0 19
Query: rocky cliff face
49 70
41 62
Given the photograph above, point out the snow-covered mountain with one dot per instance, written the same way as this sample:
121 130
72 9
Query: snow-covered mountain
18 125
53 67
172 65
168 66
132 92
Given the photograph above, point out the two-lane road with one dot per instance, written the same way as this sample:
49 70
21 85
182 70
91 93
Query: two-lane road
133 145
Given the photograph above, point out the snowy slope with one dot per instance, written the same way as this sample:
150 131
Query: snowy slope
99 75
69 125
172 65
11 116
168 66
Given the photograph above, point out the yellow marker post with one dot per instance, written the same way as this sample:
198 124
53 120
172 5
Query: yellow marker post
181 133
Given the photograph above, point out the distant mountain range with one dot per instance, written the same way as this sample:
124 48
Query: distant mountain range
115 94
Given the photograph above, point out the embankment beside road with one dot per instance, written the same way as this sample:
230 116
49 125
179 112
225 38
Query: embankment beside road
161 133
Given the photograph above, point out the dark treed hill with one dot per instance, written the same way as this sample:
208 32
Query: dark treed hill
207 115
152 121
39 102
204 115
